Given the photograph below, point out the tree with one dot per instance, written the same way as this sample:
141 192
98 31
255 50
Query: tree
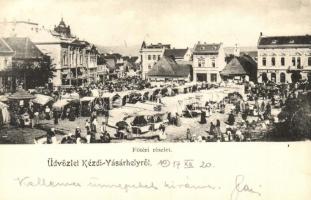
296 76
33 73
297 118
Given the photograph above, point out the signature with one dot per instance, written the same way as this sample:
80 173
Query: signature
242 187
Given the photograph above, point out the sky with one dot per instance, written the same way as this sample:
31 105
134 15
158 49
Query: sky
181 23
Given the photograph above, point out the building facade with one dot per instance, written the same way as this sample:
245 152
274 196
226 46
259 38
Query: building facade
150 54
18 28
74 60
20 67
6 55
208 61
280 56
179 55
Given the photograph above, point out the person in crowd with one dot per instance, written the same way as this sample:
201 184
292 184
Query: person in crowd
105 137
78 132
36 118
72 116
87 126
231 119
31 116
217 129
178 120
47 113
203 117
212 129
188 134
94 125
50 134
103 127
162 134
55 116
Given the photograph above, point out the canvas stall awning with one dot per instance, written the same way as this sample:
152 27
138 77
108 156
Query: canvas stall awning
42 99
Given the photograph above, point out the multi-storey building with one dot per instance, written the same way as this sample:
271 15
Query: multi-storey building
279 56
150 54
18 28
74 60
208 61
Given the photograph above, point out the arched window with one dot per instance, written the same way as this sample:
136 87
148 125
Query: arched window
273 77
264 77
282 77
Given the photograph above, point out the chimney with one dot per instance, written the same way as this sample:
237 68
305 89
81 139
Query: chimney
260 34
198 42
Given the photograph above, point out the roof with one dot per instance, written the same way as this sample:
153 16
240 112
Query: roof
284 41
5 48
250 53
175 53
167 67
24 48
243 65
155 46
111 63
206 48
20 95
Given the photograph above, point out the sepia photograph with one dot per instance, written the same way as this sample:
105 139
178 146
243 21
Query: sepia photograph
159 99
102 71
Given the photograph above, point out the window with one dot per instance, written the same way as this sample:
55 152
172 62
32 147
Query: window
293 61
273 77
213 63
201 77
309 61
298 63
81 59
65 59
264 77
201 62
282 61
264 61
154 57
273 61
282 77
149 66
159 57
149 57
213 77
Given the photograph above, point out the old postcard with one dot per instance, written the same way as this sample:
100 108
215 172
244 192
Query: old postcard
139 99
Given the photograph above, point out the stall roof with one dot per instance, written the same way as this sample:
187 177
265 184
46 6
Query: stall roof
21 95
87 99
61 103
71 96
108 95
3 105
42 99
3 98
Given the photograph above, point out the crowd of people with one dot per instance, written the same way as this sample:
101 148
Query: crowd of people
245 114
